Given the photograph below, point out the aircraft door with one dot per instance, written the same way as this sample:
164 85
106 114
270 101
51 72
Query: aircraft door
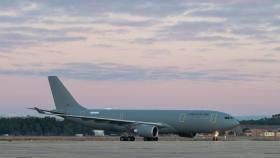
122 116
182 117
213 118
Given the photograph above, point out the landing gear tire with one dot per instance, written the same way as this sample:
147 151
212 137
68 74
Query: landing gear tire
150 139
131 138
125 138
215 139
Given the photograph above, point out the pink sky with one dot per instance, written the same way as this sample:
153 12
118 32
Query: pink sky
180 54
238 98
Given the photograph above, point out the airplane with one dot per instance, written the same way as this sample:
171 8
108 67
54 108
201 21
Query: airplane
144 123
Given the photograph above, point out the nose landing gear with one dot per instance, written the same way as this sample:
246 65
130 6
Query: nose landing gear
216 135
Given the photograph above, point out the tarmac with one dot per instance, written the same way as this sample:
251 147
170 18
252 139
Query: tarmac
139 149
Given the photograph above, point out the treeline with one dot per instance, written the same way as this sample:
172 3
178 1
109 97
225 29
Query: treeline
34 126
263 121
49 126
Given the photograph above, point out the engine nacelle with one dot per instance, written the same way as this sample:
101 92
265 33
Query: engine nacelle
189 135
148 131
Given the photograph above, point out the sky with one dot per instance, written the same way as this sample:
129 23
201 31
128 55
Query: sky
142 54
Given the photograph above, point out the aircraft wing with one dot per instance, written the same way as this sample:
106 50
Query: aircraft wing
98 119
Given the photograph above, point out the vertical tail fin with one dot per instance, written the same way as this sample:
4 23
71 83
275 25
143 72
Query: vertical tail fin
63 100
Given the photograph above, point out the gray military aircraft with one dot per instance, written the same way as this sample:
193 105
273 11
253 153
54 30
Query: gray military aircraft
144 123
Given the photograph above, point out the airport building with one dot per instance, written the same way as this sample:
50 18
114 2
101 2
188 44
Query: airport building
261 131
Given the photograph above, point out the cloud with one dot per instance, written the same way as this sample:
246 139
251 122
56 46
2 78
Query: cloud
232 44
153 53
276 49
103 45
126 23
254 19
259 60
190 20
150 40
26 36
188 31
131 23
119 72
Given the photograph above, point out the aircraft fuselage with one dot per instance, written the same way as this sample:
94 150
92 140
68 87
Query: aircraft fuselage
178 121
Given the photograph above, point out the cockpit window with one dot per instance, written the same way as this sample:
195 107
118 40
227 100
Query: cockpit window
228 117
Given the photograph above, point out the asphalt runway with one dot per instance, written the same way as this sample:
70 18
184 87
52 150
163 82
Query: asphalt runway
161 149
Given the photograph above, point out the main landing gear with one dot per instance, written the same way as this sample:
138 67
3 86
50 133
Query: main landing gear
132 138
150 139
127 138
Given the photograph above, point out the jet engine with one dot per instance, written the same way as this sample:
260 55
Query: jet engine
148 131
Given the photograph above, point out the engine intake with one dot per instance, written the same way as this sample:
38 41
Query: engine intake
148 131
